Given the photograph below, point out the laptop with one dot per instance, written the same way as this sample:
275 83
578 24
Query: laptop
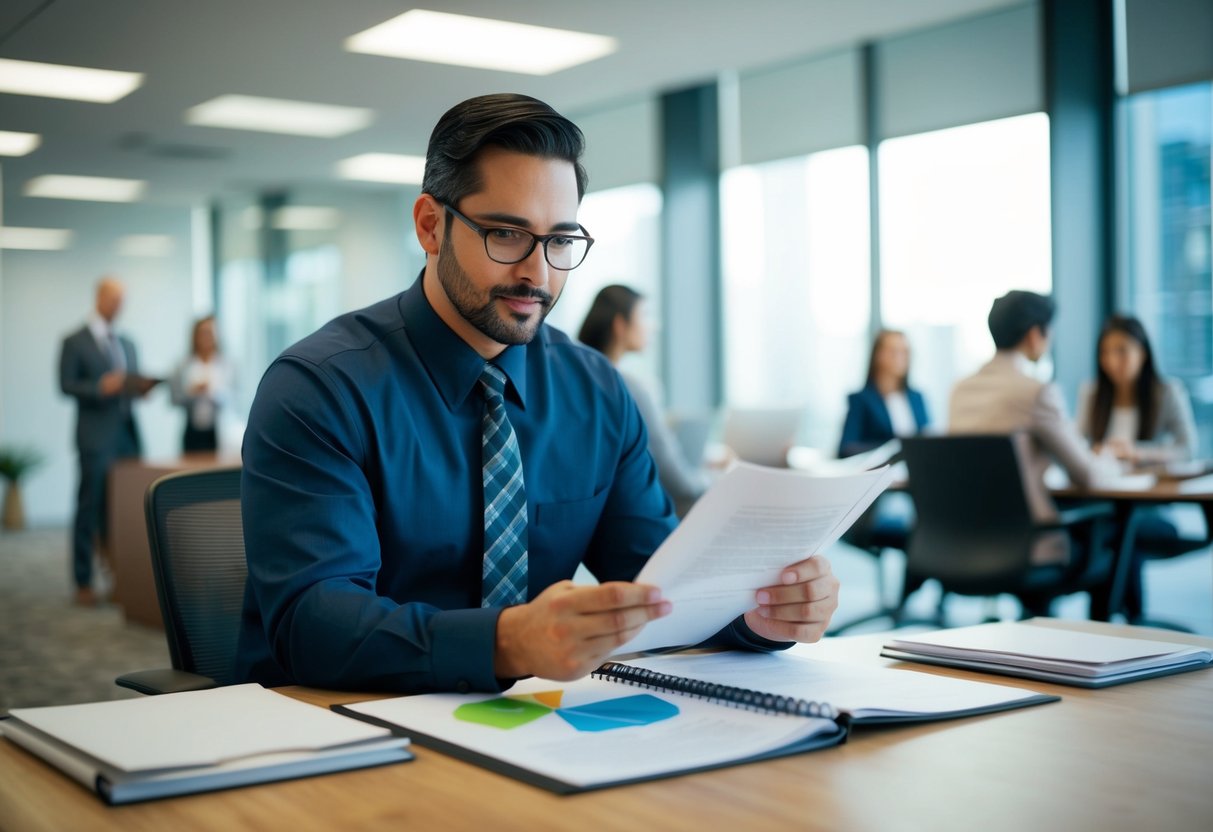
762 436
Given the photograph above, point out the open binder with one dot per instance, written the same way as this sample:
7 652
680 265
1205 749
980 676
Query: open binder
685 714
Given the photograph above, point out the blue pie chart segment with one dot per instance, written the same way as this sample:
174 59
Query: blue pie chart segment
626 712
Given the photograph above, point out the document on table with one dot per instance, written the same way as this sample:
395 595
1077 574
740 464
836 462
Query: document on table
739 537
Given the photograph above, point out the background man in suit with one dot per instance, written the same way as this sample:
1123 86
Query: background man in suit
99 369
1005 397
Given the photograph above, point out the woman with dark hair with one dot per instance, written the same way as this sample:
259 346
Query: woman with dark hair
202 384
886 407
1130 411
615 326
1134 414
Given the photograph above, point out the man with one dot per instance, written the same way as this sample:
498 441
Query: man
99 369
1005 397
423 477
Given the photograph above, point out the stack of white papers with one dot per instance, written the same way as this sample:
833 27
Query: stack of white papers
1048 653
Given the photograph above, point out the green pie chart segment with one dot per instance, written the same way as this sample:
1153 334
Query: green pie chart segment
501 713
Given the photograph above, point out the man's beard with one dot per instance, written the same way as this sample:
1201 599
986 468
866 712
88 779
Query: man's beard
481 311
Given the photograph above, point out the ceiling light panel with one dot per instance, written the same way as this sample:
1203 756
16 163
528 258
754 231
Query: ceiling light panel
277 115
88 188
35 239
145 245
18 144
395 168
438 37
76 83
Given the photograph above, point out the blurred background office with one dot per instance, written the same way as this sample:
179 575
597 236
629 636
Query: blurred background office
780 179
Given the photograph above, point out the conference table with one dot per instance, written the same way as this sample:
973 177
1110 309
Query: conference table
1131 757
1129 506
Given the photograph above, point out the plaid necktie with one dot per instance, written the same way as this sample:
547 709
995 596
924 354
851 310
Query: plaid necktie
505 537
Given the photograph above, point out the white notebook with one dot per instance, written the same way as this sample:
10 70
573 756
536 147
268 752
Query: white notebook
178 743
1049 653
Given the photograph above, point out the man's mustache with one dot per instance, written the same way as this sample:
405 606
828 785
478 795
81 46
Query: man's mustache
522 293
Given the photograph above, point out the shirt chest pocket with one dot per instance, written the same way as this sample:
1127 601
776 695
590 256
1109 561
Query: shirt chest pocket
562 530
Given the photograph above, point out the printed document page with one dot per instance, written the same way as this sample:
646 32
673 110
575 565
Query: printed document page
738 538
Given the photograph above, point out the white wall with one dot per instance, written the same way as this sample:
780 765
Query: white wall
47 295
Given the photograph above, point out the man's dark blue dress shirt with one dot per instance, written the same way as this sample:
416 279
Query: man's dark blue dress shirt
363 502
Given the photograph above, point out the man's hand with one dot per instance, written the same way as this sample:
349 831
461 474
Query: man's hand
111 383
801 607
568 630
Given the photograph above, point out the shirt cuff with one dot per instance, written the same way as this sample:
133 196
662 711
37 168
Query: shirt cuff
738 635
462 650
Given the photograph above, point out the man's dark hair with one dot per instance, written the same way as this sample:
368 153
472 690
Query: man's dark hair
506 120
1014 314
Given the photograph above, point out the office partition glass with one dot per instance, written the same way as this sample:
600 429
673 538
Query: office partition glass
797 293
964 217
625 223
1169 135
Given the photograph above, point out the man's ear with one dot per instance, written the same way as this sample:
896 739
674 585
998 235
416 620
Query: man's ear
429 222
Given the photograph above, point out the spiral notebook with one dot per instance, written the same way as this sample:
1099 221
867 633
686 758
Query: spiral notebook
672 715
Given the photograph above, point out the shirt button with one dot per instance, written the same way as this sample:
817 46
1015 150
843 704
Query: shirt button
462 686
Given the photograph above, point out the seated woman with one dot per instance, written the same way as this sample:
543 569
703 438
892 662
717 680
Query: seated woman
1134 414
886 407
615 326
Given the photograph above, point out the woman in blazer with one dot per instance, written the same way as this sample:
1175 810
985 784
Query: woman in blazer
886 407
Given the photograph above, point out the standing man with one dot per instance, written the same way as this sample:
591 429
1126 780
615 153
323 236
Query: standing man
99 369
422 477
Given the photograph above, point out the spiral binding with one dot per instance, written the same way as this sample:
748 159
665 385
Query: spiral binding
726 694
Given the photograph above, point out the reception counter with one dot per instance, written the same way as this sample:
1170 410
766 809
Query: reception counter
134 587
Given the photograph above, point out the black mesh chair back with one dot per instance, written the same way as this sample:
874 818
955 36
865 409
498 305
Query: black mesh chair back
974 530
197 545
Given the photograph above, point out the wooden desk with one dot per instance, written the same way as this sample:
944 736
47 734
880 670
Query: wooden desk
130 555
1132 757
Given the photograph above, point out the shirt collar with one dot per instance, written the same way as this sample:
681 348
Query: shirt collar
451 363
100 328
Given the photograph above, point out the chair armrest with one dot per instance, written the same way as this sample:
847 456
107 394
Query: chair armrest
1088 513
164 680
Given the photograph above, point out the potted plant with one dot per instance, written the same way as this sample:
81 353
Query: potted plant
14 464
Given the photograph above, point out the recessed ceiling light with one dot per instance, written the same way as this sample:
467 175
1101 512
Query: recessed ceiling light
35 239
145 245
479 42
18 144
305 218
277 115
77 83
383 167
89 188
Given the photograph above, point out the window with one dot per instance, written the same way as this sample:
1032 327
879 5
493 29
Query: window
797 290
1169 287
626 226
965 217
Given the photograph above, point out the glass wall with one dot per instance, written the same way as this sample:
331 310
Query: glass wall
797 285
964 217
1169 284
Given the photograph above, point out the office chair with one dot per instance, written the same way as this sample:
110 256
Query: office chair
874 534
197 547
975 530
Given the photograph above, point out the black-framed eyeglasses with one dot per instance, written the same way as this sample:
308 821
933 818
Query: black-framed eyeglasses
508 245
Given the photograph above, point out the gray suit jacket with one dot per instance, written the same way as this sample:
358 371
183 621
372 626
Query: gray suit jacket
1002 398
1175 434
100 420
